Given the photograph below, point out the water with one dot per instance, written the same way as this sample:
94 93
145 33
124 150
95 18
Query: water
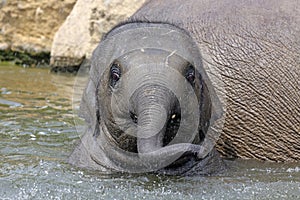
37 134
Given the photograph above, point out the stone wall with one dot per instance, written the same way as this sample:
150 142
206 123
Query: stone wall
30 25
81 32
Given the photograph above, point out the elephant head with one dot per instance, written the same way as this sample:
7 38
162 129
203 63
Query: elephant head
149 104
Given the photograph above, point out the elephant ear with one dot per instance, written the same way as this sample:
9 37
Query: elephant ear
205 111
88 109
212 115
89 105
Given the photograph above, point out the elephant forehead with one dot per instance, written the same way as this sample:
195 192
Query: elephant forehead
154 57
125 39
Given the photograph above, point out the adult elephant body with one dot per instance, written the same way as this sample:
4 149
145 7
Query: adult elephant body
241 60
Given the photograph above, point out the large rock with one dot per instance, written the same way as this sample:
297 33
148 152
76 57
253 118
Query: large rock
81 32
29 25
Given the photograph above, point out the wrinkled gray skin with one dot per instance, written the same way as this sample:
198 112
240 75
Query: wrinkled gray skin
245 56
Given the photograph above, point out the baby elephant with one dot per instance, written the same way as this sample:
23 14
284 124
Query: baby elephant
178 85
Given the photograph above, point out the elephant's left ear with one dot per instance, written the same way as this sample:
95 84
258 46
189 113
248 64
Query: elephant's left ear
211 108
217 109
205 110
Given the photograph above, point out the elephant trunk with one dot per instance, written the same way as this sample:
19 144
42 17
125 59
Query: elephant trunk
151 127
154 107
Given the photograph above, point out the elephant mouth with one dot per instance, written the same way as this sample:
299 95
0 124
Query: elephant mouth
172 127
126 142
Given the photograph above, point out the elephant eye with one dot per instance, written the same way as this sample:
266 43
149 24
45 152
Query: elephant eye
115 74
190 74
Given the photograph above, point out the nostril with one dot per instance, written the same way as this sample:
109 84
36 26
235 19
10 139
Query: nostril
133 117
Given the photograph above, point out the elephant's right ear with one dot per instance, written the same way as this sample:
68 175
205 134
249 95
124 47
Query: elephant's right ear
88 107
102 57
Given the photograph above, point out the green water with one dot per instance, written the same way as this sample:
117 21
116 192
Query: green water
37 134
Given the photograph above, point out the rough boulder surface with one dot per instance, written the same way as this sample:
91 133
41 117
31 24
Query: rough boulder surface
81 32
29 25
